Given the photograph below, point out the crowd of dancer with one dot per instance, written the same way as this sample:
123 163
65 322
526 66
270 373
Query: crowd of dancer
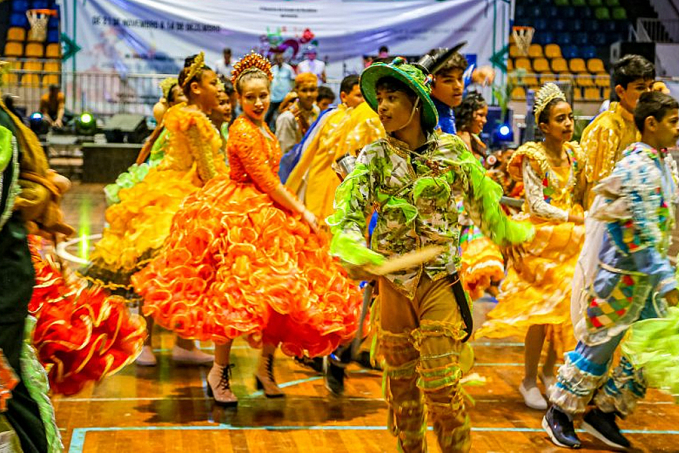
215 244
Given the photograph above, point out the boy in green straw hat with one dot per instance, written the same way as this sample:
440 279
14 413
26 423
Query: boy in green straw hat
408 178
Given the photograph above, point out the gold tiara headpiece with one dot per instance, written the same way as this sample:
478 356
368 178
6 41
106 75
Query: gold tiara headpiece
167 85
196 66
547 93
251 62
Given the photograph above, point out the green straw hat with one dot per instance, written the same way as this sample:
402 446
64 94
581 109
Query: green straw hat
415 78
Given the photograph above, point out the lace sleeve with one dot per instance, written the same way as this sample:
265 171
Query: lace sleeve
535 197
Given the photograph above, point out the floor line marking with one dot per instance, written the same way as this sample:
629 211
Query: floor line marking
78 436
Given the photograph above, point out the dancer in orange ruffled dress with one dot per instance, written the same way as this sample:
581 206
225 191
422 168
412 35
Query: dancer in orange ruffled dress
244 258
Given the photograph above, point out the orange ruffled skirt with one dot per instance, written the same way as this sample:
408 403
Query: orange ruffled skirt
82 334
482 262
237 265
537 289
138 226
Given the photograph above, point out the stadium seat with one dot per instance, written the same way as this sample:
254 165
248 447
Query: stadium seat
552 12
514 51
595 3
542 24
10 78
519 93
560 25
18 20
606 93
34 50
577 66
16 34
579 2
531 82
619 13
588 52
53 23
547 78
559 65
576 25
535 51
523 63
592 94
581 39
541 65
510 64
33 66
584 80
53 51
601 39
14 49
596 66
553 51
602 13
19 6
577 94
602 81
564 39
591 26
566 77
50 79
570 52
53 36
30 79
612 3
52 66
41 4
561 3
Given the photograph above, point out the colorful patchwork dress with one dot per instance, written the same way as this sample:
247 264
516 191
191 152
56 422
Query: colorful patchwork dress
537 289
237 264
636 203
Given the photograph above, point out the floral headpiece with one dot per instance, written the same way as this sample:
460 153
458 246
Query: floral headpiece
167 85
196 66
249 63
547 93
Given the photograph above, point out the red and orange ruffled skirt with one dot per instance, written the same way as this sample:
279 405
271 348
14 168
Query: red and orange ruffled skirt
237 265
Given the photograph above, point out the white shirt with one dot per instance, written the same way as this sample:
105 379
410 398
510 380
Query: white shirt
316 67
222 68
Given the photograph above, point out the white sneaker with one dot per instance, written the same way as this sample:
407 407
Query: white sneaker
533 398
146 358
194 357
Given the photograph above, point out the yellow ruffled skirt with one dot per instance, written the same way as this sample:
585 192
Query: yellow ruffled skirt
537 289
482 263
138 226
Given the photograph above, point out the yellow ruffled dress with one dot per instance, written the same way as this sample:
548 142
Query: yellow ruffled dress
537 289
140 223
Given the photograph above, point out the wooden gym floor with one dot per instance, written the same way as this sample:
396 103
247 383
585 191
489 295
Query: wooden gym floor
165 408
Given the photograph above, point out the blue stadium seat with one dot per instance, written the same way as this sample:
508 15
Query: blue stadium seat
53 36
535 11
569 12
560 25
53 23
587 52
552 12
520 12
576 25
40 4
598 39
18 20
564 38
581 39
591 26
544 37
19 6
569 52
542 24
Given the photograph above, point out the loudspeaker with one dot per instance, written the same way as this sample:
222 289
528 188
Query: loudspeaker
126 128
621 48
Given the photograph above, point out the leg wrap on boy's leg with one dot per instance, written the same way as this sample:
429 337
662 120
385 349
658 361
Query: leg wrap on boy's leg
578 379
439 378
622 390
406 418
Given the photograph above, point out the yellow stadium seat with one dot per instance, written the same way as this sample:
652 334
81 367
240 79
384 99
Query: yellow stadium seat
514 51
30 79
510 64
50 79
596 66
10 78
547 78
531 81
33 66
16 34
577 66
535 51
566 77
577 94
52 66
552 51
14 49
519 93
523 63
592 94
559 65
34 50
602 81
607 93
53 51
541 65
584 80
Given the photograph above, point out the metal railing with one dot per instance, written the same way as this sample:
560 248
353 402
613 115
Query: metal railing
655 30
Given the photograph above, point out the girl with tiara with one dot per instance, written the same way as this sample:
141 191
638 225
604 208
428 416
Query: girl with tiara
535 296
482 263
244 258
139 224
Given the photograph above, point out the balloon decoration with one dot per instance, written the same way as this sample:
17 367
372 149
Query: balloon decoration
292 48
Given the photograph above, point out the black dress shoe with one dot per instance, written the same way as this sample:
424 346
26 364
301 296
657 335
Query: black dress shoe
333 376
560 428
315 364
602 426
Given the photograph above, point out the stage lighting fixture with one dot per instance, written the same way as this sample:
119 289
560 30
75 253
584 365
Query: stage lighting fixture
38 124
504 133
86 124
